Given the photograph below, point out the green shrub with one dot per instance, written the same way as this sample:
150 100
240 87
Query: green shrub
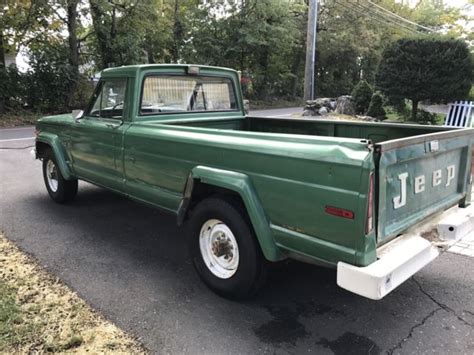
399 104
427 68
470 96
361 95
425 117
12 88
376 107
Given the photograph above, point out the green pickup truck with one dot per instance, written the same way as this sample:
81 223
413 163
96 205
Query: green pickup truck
256 190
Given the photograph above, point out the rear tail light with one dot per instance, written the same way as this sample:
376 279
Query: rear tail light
369 224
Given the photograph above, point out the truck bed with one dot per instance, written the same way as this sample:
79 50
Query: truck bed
404 155
374 131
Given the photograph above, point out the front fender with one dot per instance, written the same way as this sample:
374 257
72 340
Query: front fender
241 184
59 151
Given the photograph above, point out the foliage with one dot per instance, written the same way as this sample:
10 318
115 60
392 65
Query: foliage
362 95
45 85
470 96
426 117
18 117
70 40
376 107
257 37
399 104
49 78
11 86
81 97
426 69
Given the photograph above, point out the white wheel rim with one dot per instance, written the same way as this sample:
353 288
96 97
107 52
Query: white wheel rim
219 248
52 175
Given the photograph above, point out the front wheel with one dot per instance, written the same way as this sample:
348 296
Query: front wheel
224 249
59 189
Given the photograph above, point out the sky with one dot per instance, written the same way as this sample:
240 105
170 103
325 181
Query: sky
455 3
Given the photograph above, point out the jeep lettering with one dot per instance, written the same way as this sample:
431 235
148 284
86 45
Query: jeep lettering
419 184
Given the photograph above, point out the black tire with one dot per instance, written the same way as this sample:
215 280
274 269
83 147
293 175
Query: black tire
66 189
250 274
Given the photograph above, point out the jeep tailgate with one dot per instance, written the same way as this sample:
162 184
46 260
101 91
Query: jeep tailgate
420 176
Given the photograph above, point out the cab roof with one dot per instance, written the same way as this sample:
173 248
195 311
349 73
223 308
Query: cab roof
133 70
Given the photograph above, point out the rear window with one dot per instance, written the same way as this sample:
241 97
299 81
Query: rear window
175 93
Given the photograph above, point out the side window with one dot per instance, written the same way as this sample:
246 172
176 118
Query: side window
109 99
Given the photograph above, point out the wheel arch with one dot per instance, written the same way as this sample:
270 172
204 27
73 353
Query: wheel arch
204 181
47 141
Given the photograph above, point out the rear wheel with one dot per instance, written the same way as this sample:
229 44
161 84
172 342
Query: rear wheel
224 249
59 189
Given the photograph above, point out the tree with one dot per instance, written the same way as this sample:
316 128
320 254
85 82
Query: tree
376 107
70 7
49 78
431 68
259 37
361 95
263 39
20 23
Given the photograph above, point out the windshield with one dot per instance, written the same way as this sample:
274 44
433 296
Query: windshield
181 93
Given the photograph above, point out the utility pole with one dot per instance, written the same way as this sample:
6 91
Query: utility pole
309 74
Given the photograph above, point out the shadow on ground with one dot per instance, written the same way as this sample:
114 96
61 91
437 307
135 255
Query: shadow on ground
131 262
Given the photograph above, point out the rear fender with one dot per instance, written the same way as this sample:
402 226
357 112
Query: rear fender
241 184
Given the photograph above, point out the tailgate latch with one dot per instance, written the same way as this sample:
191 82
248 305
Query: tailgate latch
434 146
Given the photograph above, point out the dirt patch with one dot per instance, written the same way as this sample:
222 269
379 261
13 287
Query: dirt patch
40 313
20 118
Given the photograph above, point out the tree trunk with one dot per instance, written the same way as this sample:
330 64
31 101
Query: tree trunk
2 67
150 56
73 50
414 109
103 33
263 87
177 33
295 70
242 24
2 51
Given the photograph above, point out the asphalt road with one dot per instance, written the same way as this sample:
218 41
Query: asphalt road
130 262
16 134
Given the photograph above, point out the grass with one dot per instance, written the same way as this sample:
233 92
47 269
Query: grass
277 103
38 313
405 117
393 116
12 329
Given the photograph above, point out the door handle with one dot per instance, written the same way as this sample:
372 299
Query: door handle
114 125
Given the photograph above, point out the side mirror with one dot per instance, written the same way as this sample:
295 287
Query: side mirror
77 114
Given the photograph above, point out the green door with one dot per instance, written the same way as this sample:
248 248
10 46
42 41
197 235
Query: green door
96 138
